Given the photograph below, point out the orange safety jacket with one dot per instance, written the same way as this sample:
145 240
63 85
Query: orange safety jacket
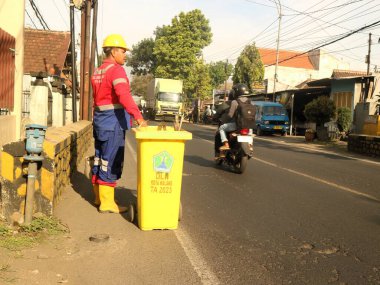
111 89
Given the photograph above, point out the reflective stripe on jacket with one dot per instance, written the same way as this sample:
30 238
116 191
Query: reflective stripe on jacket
110 86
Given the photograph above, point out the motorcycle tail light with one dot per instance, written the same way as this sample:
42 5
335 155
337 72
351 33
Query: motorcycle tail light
244 132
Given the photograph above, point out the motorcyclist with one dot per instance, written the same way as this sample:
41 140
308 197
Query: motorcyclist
239 91
221 115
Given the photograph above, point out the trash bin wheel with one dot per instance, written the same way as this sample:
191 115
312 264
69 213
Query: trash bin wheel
131 213
180 212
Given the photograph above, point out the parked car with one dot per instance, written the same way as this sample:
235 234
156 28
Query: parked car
270 118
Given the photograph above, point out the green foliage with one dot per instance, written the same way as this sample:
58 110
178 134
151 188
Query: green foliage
344 119
219 72
26 236
320 110
139 84
179 45
249 68
142 59
198 84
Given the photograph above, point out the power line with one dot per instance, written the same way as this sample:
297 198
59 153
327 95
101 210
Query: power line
313 20
318 42
316 11
31 19
334 41
63 19
39 16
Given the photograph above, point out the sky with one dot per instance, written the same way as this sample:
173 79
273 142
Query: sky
235 23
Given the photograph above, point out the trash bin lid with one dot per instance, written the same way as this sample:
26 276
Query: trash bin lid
154 132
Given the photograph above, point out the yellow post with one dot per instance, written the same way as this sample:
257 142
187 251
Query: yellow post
372 126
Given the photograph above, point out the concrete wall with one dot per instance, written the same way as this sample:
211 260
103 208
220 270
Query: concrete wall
12 21
289 77
328 62
367 145
8 133
63 149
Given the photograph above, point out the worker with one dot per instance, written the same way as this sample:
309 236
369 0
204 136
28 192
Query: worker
113 109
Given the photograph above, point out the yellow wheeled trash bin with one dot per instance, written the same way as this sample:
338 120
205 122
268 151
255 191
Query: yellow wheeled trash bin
160 152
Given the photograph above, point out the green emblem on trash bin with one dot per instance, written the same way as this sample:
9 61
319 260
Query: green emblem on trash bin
163 162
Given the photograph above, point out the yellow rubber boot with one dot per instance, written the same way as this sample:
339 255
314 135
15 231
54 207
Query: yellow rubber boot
95 189
107 202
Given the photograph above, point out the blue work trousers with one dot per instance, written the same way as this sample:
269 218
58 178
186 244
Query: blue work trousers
109 155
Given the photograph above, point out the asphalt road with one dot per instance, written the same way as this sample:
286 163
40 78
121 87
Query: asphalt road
294 217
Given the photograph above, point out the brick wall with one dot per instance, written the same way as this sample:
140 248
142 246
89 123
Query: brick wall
364 144
63 149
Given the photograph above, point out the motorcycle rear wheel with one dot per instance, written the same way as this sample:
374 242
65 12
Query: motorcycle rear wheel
241 165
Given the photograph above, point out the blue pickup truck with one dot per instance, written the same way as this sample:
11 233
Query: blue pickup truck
270 118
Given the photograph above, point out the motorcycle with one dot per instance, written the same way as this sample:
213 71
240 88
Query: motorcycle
240 151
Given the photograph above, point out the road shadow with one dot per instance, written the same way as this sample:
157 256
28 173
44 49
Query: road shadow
204 134
374 219
292 148
198 160
83 186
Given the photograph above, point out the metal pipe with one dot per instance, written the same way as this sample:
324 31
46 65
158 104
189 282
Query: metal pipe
291 116
29 203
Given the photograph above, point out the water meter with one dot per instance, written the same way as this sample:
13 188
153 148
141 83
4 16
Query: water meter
35 135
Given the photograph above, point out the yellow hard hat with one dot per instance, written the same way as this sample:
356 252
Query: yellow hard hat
115 40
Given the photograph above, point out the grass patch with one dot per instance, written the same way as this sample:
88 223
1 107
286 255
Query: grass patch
17 238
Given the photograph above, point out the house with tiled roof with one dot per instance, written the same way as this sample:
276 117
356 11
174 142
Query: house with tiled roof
46 51
297 67
47 56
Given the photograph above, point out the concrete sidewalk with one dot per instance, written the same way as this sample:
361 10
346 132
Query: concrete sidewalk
130 256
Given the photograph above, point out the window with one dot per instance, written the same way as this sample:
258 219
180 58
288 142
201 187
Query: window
169 97
274 110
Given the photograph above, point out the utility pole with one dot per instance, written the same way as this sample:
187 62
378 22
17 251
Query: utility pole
85 60
73 65
93 52
225 81
278 46
368 59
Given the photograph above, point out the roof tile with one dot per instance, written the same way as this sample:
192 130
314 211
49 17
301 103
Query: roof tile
45 50
268 56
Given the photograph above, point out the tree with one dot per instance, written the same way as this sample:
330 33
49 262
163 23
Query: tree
198 84
179 45
320 110
142 59
249 68
140 83
344 119
219 72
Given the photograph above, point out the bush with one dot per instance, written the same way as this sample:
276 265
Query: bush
344 119
320 110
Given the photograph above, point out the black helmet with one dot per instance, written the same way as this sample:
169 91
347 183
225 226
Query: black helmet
240 89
